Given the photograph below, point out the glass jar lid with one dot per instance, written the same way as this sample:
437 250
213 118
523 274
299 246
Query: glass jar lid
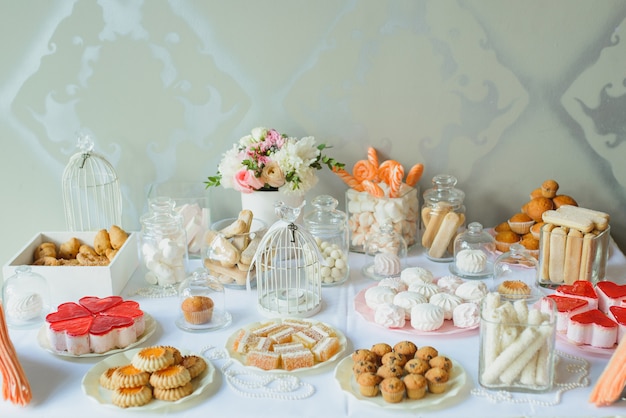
325 216
202 303
515 274
161 217
443 190
474 251
25 298
387 252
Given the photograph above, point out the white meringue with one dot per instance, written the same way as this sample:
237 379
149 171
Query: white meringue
447 302
426 289
426 317
390 316
407 300
471 261
416 274
377 295
471 291
393 282
466 315
387 264
449 283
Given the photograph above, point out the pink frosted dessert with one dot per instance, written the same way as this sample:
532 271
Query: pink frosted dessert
593 328
566 307
618 313
610 294
580 289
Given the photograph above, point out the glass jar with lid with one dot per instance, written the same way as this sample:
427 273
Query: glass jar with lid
515 275
26 299
386 252
474 251
202 302
443 217
329 227
163 245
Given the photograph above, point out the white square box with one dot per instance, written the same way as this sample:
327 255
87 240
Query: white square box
70 283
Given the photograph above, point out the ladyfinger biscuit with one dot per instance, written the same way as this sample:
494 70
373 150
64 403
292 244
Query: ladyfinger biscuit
248 254
447 231
242 240
544 255
600 219
587 257
233 273
436 218
568 220
573 252
237 227
558 240
222 249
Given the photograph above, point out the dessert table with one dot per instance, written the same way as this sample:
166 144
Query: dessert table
57 389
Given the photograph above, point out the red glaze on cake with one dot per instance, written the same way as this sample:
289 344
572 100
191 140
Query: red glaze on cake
566 307
618 313
581 289
95 325
610 294
594 328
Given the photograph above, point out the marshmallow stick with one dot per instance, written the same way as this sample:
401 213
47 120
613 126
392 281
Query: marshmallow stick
511 354
529 373
492 338
528 352
541 372
557 254
573 252
521 309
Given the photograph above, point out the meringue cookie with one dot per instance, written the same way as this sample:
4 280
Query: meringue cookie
416 274
466 315
471 261
393 282
447 302
390 316
377 295
426 289
449 284
387 264
426 317
471 291
407 300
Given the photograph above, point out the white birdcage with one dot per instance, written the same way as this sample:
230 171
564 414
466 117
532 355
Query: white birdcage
91 191
288 268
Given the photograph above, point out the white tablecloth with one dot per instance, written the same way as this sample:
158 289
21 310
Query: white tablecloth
56 381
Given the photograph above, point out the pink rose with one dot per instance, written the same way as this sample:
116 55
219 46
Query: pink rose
246 181
273 175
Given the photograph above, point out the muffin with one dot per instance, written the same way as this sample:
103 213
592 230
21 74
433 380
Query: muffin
520 223
415 385
416 366
503 226
368 383
392 389
365 355
562 199
537 206
390 370
441 362
197 309
380 349
437 379
514 289
549 188
536 193
408 348
535 230
394 358
504 239
531 243
426 353
364 366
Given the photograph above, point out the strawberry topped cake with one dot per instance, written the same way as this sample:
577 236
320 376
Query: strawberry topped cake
95 325
580 289
566 307
610 294
594 328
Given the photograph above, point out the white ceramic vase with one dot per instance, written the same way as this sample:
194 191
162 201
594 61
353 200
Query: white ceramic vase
261 203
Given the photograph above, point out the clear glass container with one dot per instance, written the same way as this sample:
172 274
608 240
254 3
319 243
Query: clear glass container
367 213
590 252
386 254
443 217
92 199
202 303
163 245
25 298
515 275
474 253
192 202
228 256
329 227
517 352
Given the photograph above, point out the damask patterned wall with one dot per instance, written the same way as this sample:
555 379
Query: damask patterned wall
502 95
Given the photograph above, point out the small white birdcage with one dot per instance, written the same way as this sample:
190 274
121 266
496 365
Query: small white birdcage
91 191
288 268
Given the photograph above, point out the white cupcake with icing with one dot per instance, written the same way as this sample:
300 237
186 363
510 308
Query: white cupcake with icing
472 291
393 282
377 295
387 264
411 275
426 317
447 302
449 283
390 316
466 315
426 289
407 300
471 261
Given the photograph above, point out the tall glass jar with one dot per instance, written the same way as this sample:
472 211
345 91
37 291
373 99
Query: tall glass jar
26 299
474 253
329 227
163 245
443 217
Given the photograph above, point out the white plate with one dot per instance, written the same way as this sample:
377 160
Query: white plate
92 388
586 348
368 314
44 342
345 377
241 358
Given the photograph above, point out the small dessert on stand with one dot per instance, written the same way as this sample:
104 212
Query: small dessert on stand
202 302
474 251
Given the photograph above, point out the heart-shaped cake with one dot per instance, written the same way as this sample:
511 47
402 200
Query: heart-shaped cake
581 289
97 305
65 311
594 328
610 294
566 307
